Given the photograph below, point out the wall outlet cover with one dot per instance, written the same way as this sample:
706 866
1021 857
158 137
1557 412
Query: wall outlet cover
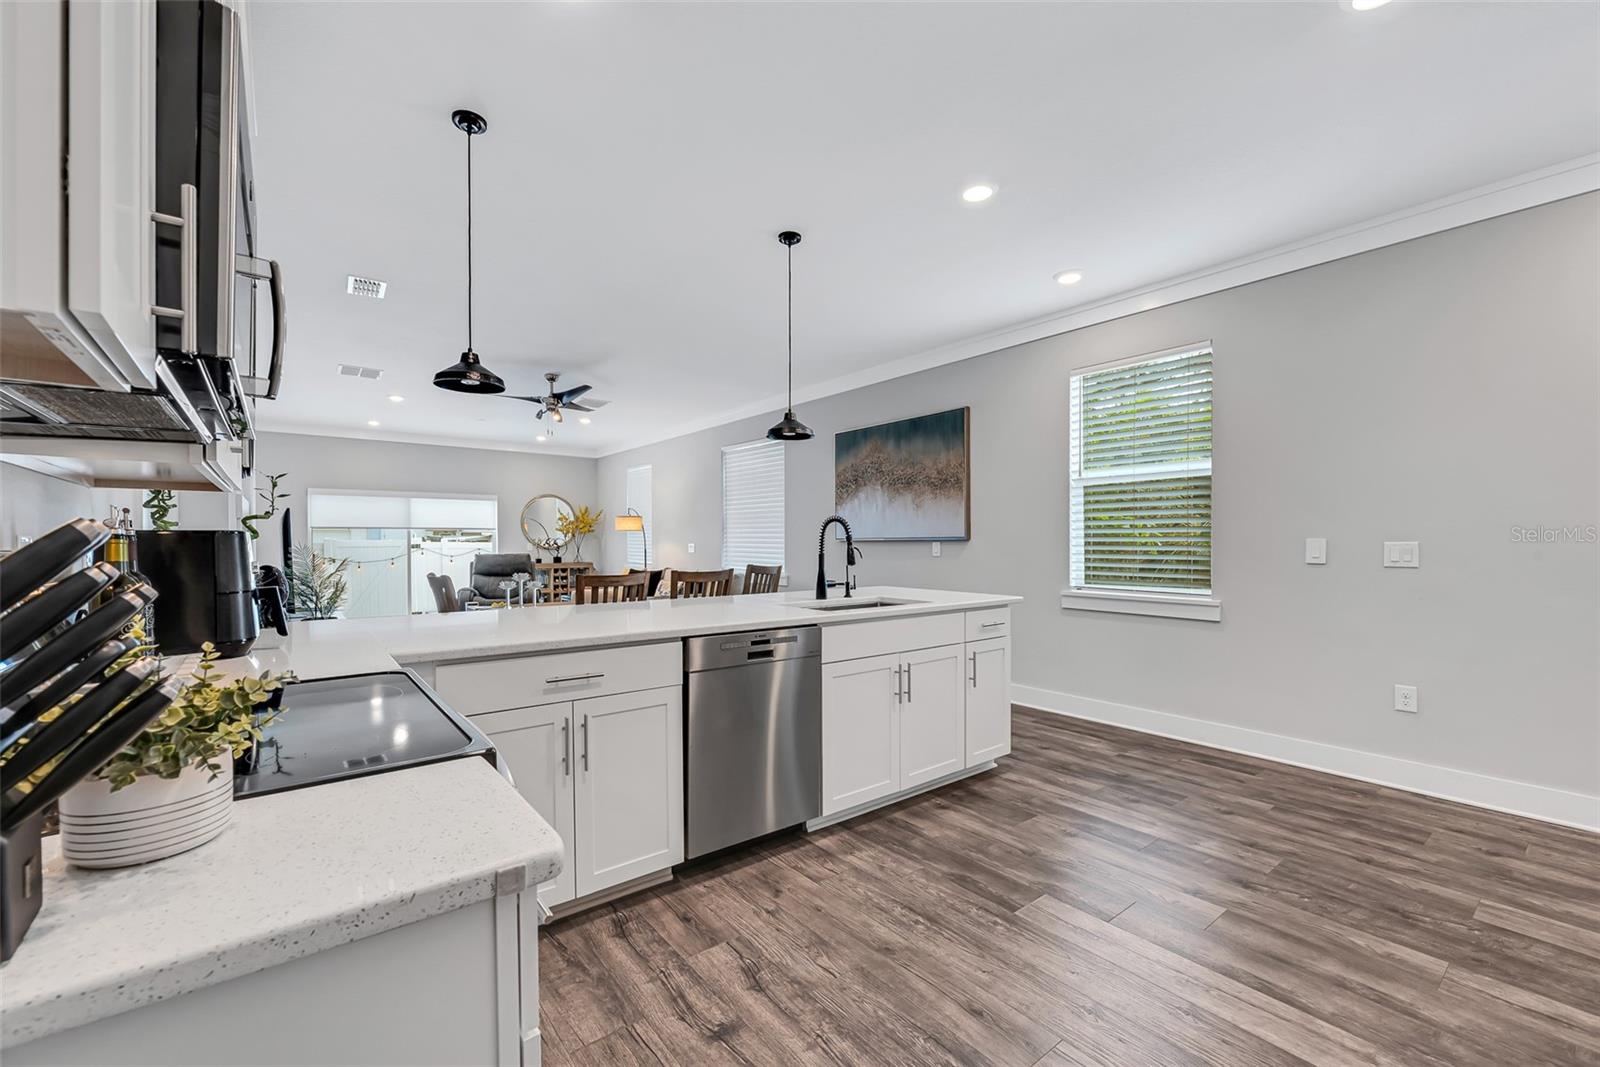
1405 699
937 548
691 548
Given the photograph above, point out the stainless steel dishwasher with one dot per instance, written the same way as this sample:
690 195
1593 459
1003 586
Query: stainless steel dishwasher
753 744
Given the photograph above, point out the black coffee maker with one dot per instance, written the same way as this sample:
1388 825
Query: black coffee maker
207 591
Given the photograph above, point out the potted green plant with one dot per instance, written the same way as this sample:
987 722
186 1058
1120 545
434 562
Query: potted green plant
161 503
171 789
269 500
318 582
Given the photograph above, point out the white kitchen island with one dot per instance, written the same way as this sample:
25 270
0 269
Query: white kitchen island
381 919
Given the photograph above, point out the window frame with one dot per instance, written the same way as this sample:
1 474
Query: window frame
1171 602
744 446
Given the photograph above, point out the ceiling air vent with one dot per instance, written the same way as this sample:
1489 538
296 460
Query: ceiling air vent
359 286
350 370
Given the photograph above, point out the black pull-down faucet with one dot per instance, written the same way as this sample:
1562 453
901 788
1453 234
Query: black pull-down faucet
852 555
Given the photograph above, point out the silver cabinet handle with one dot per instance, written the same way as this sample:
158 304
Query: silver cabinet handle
972 658
545 914
899 684
566 748
908 683
585 728
188 270
574 678
988 625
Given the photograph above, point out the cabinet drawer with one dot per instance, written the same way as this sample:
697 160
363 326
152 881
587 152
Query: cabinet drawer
858 640
990 622
478 686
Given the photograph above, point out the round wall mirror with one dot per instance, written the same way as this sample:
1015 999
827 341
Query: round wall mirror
539 521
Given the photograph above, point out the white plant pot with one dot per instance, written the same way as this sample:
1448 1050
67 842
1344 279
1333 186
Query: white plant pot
148 820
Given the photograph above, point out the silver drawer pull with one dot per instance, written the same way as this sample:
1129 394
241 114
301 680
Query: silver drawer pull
987 625
574 678
188 270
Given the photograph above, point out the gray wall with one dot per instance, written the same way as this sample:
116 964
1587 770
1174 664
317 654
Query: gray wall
32 503
1441 390
348 463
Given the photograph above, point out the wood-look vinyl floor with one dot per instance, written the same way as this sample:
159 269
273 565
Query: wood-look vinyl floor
1110 898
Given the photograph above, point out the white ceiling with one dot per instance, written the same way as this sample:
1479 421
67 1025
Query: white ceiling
641 158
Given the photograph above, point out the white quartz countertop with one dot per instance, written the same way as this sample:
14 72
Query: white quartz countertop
352 646
296 873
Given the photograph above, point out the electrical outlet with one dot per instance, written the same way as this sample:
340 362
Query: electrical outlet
1405 699
691 548
937 549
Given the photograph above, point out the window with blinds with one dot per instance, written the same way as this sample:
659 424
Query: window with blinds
637 493
1141 474
752 505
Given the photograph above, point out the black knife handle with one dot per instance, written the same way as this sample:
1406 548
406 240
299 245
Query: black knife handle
69 646
65 684
32 619
32 565
73 724
91 754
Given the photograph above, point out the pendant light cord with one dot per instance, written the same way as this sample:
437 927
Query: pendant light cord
469 241
790 251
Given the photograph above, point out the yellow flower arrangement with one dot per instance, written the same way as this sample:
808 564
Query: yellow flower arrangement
575 527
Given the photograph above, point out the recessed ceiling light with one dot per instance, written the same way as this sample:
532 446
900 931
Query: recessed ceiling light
372 422
977 194
395 398
1069 277
539 438
586 420
1366 5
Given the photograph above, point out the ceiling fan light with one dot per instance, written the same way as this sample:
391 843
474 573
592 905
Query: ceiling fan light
789 429
559 417
469 376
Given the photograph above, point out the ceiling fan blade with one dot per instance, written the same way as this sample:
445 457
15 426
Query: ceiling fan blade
595 402
529 399
577 407
574 393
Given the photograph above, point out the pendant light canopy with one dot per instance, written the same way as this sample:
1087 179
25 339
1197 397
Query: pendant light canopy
790 428
468 374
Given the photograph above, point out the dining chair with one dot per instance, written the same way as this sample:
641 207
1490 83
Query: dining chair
759 579
610 588
701 583
444 593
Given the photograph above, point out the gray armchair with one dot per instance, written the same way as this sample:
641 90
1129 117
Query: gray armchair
489 569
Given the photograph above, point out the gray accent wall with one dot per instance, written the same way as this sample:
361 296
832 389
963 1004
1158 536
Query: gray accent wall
1442 390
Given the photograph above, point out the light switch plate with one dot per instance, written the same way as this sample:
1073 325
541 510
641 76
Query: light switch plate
1402 554
1316 550
691 548
1405 699
937 548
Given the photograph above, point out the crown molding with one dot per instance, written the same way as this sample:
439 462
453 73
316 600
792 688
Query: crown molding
525 448
1549 184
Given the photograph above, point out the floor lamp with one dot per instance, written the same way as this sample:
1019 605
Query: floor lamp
633 522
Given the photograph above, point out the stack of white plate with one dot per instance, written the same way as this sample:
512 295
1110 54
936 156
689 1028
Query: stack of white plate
101 829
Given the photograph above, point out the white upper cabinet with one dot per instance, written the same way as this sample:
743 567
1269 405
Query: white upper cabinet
860 731
932 716
629 786
77 266
988 700
110 176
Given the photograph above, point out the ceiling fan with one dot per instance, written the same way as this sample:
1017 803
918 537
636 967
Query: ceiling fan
556 400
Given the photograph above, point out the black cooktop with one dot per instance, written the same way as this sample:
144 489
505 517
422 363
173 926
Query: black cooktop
337 728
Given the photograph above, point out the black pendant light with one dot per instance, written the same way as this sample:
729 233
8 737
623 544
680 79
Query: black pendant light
790 428
468 375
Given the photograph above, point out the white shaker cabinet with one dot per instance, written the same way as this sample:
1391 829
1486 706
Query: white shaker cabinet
932 715
860 731
988 700
629 799
537 747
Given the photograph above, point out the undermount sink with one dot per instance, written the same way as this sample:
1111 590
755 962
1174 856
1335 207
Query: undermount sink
851 603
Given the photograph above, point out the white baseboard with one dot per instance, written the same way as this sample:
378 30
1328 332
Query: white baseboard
1466 787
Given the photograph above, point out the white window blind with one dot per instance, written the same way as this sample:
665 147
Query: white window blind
752 505
1141 474
640 546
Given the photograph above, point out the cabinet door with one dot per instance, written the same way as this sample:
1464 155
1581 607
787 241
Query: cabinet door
537 747
988 700
933 717
629 811
860 731
111 85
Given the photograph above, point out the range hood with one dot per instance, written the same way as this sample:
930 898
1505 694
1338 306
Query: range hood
185 406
